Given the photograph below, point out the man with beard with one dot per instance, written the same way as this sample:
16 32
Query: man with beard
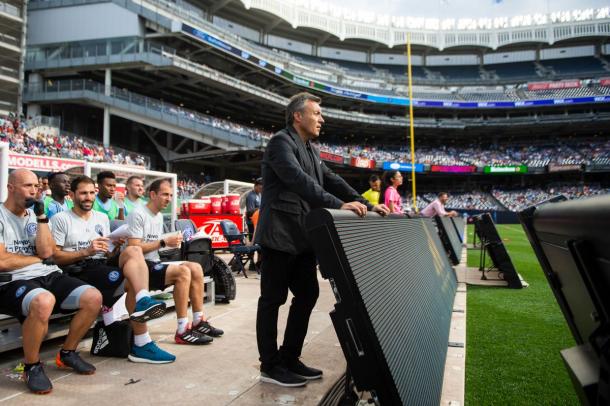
82 250
135 191
145 231
59 183
36 287
104 202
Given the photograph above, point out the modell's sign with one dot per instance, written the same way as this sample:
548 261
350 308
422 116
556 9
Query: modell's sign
41 163
327 156
363 163
562 84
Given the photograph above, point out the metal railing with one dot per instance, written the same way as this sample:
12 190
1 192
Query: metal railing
157 109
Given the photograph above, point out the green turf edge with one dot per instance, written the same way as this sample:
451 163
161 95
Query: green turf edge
514 336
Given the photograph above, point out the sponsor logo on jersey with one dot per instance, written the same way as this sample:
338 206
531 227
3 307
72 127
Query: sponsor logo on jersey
20 291
31 229
114 276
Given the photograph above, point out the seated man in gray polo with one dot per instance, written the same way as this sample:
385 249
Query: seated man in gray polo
33 288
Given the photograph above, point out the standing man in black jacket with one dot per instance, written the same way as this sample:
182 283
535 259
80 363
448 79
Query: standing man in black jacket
295 181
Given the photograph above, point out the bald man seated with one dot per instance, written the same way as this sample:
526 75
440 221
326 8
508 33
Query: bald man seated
32 287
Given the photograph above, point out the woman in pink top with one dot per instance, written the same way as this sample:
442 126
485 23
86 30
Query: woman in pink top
393 179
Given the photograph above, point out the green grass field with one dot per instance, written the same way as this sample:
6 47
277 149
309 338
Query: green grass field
514 336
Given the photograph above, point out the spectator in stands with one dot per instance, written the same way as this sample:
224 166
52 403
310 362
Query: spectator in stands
38 287
437 207
104 202
391 197
83 251
372 195
146 231
294 179
58 201
135 191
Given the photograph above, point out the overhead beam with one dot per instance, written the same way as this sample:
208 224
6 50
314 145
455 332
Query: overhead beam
219 6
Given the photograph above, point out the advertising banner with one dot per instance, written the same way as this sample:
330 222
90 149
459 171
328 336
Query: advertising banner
506 169
41 163
402 167
453 168
362 163
564 168
562 84
327 156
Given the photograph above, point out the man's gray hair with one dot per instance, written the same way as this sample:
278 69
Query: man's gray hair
297 104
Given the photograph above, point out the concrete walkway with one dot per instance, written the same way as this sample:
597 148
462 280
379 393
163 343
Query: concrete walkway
222 373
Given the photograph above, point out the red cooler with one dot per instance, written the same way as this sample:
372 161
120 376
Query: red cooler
207 205
223 205
216 204
232 203
195 206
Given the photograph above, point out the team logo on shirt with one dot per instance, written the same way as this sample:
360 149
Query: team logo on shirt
20 291
31 229
114 276
158 267
99 230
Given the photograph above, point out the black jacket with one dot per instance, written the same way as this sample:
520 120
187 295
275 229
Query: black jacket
295 181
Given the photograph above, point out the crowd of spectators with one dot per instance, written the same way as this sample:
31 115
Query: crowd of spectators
533 156
188 187
516 200
45 141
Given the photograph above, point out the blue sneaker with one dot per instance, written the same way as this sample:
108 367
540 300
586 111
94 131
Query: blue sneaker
150 354
147 308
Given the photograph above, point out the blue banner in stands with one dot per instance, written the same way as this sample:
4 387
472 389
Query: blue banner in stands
400 101
402 167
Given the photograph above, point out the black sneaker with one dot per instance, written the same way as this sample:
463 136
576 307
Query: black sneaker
192 336
37 381
74 361
297 367
279 375
204 327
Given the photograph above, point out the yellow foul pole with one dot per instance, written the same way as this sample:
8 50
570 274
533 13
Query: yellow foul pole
411 129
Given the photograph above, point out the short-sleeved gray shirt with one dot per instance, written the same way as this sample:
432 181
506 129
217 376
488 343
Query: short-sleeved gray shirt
73 233
147 227
18 235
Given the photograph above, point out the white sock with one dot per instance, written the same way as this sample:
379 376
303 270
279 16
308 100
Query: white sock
141 294
197 318
141 340
182 324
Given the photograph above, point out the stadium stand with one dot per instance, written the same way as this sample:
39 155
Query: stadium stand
38 142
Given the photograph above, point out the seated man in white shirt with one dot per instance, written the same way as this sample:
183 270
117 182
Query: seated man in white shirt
145 231
437 207
32 287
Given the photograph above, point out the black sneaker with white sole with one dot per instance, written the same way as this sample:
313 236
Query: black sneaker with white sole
279 375
297 367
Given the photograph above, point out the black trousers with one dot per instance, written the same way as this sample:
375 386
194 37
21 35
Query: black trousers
281 271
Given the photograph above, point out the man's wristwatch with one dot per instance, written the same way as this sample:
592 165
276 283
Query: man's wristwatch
162 243
44 220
